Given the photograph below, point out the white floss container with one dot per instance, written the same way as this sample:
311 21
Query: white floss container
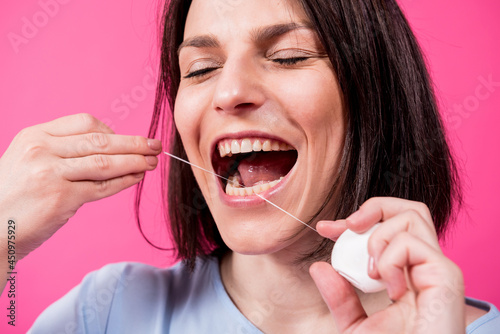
350 259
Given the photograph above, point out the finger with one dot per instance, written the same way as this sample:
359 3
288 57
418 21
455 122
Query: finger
96 190
102 143
331 229
408 221
379 209
406 251
102 167
74 124
339 295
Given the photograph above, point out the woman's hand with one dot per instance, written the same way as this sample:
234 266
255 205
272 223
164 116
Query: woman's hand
425 286
50 170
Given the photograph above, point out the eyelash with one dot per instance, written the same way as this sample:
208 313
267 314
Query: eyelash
281 61
200 73
289 61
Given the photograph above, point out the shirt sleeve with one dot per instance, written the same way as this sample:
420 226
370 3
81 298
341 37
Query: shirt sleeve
86 308
488 323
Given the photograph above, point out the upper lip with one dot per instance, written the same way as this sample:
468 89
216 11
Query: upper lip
245 134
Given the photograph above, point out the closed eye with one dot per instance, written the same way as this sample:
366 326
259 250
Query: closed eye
200 73
282 61
289 57
289 61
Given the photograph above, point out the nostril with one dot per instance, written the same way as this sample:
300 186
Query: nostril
238 108
244 105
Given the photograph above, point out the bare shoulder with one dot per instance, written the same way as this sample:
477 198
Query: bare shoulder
473 313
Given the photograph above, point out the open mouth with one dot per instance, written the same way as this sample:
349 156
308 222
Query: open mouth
252 165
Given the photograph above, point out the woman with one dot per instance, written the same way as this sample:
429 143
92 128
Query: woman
339 93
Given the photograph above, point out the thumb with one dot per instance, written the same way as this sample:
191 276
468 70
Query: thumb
339 295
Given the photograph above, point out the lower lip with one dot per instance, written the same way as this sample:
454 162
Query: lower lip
252 200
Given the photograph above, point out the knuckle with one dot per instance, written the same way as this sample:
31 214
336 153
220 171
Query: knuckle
413 215
422 207
42 174
438 271
102 162
372 201
401 241
83 148
403 238
26 132
425 211
375 244
98 139
25 136
456 271
88 121
59 198
34 151
102 187
138 143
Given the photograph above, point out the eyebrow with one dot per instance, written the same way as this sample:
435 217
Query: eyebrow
259 35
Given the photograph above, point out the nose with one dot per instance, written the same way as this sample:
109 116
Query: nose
238 88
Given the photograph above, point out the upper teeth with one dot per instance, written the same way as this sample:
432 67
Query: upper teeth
229 147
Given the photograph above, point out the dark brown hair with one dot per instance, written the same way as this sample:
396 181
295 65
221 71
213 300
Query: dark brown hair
394 145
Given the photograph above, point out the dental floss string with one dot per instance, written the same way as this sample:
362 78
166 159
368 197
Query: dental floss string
222 177
355 273
189 163
277 207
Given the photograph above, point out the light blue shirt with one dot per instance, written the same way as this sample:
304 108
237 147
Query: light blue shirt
136 298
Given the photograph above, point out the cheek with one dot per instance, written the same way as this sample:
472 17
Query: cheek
188 113
315 103
187 117
316 106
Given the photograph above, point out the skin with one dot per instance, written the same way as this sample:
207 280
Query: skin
406 241
249 90
245 89
50 170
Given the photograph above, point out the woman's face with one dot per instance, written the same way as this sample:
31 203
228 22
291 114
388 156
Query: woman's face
255 79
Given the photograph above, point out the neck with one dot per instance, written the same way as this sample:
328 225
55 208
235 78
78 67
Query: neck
277 295
274 294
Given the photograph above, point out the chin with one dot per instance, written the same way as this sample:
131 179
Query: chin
262 237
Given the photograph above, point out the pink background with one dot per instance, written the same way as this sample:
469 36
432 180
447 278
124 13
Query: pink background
88 55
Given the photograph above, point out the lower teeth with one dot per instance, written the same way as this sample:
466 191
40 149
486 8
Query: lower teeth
235 189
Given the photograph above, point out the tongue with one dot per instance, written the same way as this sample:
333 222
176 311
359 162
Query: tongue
266 166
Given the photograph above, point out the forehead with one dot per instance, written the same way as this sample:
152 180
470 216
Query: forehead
238 18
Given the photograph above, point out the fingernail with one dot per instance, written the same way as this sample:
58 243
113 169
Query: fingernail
152 161
371 264
139 175
154 144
